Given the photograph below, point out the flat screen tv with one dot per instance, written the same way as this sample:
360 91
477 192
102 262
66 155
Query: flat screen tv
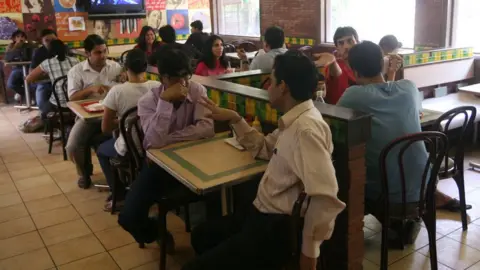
116 8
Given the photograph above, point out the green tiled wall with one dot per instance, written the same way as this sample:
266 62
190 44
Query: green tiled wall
253 81
299 41
436 56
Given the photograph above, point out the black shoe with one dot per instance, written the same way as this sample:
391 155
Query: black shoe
84 183
170 243
410 230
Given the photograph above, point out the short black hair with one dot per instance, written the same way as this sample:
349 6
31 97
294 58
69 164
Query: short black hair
91 41
344 32
173 62
58 49
46 32
19 32
389 43
274 37
136 61
167 34
299 74
197 25
366 59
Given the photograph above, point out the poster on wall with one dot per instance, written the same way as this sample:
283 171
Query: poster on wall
76 24
202 15
10 6
198 4
37 6
155 5
156 18
178 19
34 23
66 6
103 28
9 23
177 4
61 19
126 28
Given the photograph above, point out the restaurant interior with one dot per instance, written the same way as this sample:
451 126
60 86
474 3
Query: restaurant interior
48 222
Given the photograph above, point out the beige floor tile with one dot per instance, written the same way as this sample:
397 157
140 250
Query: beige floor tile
471 237
17 148
35 260
75 249
13 212
68 186
101 261
40 192
448 222
475 267
114 237
64 232
46 204
82 195
368 265
65 176
16 227
34 182
454 254
16 166
59 166
101 221
55 216
171 265
5 177
50 158
7 187
183 249
90 207
3 168
131 256
19 157
20 244
415 261
10 199
31 172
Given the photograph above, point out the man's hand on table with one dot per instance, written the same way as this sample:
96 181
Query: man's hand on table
307 263
219 114
98 89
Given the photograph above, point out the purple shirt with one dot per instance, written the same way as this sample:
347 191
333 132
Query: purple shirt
163 124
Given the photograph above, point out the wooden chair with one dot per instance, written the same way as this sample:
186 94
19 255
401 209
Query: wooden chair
123 57
229 48
457 124
307 50
424 208
247 46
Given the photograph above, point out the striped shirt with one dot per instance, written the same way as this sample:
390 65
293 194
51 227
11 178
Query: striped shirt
56 69
299 154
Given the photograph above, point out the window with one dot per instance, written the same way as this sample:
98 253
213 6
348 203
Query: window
465 24
373 19
238 17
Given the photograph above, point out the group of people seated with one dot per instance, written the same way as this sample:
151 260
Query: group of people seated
359 75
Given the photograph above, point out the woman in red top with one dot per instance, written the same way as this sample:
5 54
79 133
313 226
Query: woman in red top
214 62
147 40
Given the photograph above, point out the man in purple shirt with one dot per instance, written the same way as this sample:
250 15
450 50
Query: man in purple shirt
168 114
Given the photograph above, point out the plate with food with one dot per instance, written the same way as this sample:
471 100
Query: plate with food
92 106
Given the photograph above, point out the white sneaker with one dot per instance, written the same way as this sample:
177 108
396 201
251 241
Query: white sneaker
18 97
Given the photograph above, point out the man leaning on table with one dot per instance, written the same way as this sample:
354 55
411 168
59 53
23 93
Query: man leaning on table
91 78
300 159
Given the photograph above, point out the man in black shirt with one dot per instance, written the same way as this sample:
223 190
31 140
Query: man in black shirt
198 38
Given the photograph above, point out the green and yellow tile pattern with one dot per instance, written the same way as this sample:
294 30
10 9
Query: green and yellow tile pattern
424 57
253 81
299 41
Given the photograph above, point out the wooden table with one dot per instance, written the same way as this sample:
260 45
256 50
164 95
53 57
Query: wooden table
207 165
79 111
25 65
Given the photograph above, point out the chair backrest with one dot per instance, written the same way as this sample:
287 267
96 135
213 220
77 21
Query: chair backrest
123 57
229 48
436 143
307 50
133 135
461 118
60 81
248 46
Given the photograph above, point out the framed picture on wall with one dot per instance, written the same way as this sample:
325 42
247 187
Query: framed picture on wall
10 6
178 19
103 28
156 18
37 6
177 4
61 19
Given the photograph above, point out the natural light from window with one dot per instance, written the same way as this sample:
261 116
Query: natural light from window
466 23
239 17
374 19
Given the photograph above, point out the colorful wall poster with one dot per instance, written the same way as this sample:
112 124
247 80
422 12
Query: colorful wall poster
66 6
34 23
178 19
202 15
103 28
155 5
126 28
9 23
61 19
156 18
198 4
10 6
177 4
37 6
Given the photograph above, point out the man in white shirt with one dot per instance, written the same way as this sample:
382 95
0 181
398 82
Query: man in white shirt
91 78
299 154
273 45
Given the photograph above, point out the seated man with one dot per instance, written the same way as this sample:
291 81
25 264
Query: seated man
91 78
198 38
168 114
169 37
120 99
17 51
395 110
300 159
273 45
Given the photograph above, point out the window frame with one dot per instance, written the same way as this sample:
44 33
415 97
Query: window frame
216 7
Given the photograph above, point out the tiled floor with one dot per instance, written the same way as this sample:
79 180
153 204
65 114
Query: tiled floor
46 222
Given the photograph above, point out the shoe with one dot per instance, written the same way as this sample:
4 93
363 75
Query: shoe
454 206
118 206
84 183
17 97
170 243
410 230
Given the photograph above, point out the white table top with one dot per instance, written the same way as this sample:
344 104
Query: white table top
451 101
473 88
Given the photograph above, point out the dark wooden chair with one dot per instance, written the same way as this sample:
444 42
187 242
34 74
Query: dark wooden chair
436 143
248 46
123 57
307 50
61 118
229 48
457 124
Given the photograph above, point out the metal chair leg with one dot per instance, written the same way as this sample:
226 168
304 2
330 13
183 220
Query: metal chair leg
187 218
163 242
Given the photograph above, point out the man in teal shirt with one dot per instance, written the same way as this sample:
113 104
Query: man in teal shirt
395 110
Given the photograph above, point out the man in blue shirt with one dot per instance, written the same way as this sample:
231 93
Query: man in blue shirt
395 110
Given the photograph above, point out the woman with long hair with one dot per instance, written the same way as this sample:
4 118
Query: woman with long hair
147 40
214 62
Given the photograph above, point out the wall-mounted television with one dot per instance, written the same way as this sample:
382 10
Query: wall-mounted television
116 8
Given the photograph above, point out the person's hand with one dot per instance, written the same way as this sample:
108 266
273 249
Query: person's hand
122 77
176 92
242 55
219 114
97 89
18 44
395 62
307 263
324 59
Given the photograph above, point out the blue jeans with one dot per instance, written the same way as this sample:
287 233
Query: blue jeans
105 151
15 81
42 96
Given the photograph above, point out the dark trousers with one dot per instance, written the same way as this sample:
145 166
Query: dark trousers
43 92
257 241
15 81
105 151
